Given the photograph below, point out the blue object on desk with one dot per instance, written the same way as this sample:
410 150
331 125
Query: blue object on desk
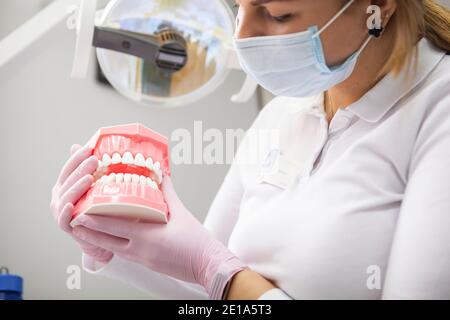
11 286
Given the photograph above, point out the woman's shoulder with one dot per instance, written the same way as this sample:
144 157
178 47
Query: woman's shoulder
430 96
435 90
441 73
431 103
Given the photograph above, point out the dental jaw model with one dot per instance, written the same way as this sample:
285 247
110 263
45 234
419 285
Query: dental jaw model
132 162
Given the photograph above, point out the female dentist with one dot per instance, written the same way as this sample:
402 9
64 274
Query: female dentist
358 206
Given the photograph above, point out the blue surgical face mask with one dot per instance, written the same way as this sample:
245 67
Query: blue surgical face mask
294 65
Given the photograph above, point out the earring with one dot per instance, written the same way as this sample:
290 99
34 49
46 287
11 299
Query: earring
377 31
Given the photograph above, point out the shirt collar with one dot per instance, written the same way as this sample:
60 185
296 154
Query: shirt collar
376 103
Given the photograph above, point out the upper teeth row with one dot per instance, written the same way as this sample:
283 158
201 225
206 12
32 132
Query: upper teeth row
127 158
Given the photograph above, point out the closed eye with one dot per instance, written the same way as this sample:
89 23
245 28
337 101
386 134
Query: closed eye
283 18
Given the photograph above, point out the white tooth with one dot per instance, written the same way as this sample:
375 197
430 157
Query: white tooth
135 178
116 158
127 158
104 179
119 177
157 171
127 177
139 160
151 183
159 176
112 177
142 180
157 166
106 159
149 163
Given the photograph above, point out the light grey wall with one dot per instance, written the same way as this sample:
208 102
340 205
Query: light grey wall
42 112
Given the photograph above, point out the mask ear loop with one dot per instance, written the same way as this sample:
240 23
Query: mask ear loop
366 43
336 16
373 33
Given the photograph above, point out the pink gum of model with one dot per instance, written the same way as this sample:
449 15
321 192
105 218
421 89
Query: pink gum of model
112 193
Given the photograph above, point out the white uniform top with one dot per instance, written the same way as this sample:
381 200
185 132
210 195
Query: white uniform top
366 213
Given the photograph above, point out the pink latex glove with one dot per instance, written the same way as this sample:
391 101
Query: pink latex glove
182 248
73 181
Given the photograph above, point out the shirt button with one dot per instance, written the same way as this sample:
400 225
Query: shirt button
317 110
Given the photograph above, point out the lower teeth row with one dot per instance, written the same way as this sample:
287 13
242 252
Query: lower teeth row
129 178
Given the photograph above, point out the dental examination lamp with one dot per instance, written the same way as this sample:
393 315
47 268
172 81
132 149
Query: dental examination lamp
156 52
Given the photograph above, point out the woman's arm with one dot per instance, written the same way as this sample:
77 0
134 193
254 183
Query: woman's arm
419 265
220 222
248 285
156 285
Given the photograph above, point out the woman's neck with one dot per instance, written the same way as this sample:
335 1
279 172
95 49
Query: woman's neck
365 76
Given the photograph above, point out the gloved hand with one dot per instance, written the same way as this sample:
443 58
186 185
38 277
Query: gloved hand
73 181
182 248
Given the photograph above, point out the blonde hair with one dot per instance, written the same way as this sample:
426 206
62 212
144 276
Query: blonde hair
412 20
